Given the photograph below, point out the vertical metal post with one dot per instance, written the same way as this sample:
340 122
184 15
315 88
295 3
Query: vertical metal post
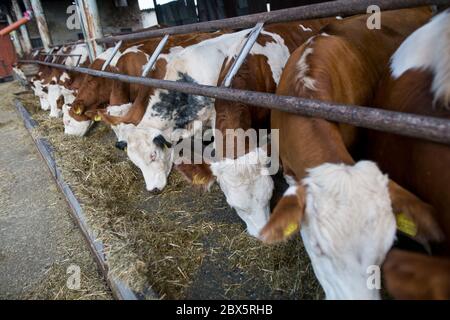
26 42
41 23
151 62
82 19
113 54
15 37
239 60
90 19
27 4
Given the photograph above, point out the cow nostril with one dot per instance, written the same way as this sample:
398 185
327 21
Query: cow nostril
155 192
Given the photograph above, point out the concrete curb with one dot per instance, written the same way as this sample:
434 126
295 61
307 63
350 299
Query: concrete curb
119 289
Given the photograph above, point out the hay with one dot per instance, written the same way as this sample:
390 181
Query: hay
183 243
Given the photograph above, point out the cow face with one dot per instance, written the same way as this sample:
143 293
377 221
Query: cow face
54 93
149 150
41 92
73 127
347 225
248 187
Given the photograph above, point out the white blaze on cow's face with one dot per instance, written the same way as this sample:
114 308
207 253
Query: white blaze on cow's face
20 73
121 130
150 152
38 89
348 227
54 92
73 127
248 187
69 95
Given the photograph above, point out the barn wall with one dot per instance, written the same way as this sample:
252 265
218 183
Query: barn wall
56 16
119 19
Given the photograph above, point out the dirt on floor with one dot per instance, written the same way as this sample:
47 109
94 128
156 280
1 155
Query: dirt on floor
182 243
39 241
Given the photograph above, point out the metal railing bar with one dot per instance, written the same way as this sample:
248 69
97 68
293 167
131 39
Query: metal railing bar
239 60
113 54
151 62
417 126
313 11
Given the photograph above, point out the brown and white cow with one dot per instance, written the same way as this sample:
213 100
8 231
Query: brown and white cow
63 84
343 207
261 72
418 82
271 52
98 93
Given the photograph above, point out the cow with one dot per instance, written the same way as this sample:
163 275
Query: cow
147 133
49 82
94 92
410 275
271 45
97 93
418 82
62 83
40 82
344 207
170 115
260 72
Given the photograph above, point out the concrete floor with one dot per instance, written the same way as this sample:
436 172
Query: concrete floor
38 238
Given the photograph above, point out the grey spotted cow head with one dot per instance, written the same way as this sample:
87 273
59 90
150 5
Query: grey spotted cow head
150 151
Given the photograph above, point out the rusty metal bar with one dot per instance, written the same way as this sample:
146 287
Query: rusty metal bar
313 11
62 55
239 60
428 128
83 24
151 62
41 23
90 18
68 44
15 37
113 54
49 54
26 44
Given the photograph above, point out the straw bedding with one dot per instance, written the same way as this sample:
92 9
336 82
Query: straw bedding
182 243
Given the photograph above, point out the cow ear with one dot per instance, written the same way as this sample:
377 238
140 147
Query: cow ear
285 219
121 145
161 142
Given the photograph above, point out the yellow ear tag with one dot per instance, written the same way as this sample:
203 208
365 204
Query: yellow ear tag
195 180
78 111
406 225
290 229
97 118
126 149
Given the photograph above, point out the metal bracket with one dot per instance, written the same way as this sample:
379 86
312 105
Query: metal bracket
239 60
151 62
116 49
62 55
48 54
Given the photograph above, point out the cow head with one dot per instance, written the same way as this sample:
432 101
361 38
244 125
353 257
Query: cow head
78 106
75 126
54 93
248 187
347 225
41 91
149 150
